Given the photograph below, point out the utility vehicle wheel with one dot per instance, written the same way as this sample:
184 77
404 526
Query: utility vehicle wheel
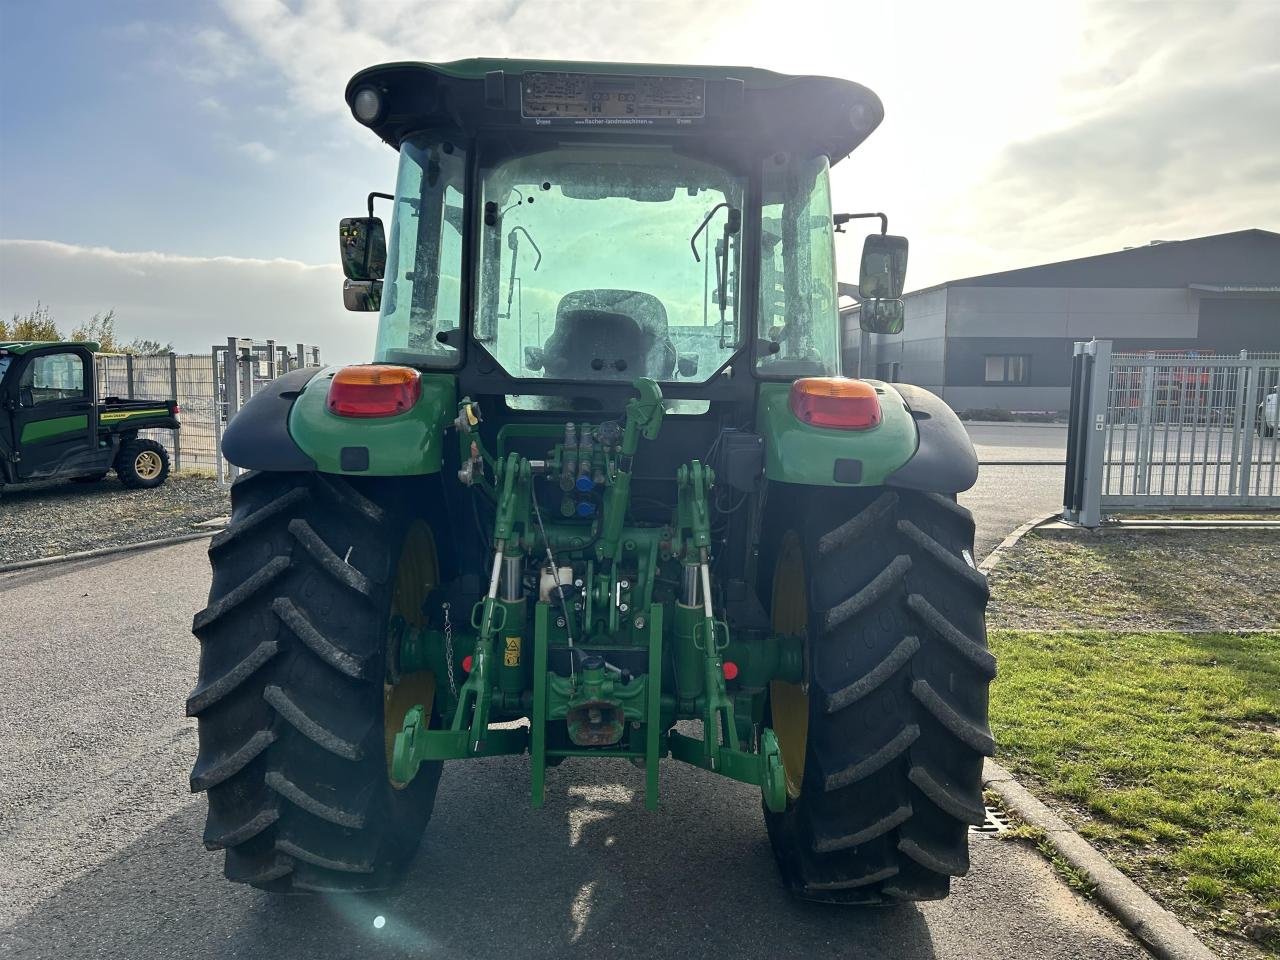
89 478
142 464
883 745
297 707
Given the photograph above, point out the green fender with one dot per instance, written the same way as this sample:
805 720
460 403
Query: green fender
796 452
410 444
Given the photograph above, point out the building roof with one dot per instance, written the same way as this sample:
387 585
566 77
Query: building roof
1242 259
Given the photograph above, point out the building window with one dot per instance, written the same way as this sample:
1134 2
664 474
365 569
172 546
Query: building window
891 371
1007 368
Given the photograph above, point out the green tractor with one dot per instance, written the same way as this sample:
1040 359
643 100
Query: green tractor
603 493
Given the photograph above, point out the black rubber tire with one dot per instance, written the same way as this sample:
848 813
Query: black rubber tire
126 459
289 700
898 675
90 478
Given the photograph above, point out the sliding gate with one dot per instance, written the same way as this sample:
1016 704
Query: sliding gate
1163 431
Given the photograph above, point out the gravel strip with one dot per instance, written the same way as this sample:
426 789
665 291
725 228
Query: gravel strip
50 519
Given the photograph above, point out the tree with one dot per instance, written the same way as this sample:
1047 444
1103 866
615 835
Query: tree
147 348
36 325
100 329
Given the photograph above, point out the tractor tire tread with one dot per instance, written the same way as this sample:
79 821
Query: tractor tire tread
245 591
328 561
898 676
896 659
309 727
204 777
289 700
242 833
207 694
324 648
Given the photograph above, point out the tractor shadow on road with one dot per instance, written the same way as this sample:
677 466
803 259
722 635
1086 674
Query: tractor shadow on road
591 874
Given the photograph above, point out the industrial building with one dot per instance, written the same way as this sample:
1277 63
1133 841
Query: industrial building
1003 341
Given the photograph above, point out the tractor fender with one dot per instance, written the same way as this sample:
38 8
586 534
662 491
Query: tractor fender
945 461
407 444
257 438
797 452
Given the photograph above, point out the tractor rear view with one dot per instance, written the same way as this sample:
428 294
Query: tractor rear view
602 476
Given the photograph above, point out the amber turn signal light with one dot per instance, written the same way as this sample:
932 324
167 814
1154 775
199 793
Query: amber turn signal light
835 402
374 390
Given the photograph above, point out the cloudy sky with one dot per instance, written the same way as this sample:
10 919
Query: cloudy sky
186 163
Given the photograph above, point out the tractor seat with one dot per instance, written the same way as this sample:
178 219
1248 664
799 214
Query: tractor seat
611 334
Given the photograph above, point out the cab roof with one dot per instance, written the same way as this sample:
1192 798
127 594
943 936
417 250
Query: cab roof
758 109
19 347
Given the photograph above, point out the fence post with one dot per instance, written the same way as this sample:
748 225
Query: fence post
1077 422
128 373
1247 424
1094 434
173 395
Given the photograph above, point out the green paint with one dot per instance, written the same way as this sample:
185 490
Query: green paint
406 445
796 452
38 430
121 416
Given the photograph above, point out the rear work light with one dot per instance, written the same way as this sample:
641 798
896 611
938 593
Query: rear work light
835 402
374 390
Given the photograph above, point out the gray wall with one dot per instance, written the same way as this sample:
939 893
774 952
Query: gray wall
1140 298
1070 313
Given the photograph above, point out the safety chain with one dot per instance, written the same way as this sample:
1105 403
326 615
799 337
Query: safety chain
448 650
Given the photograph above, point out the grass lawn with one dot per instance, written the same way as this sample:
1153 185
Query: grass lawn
1164 751
1134 580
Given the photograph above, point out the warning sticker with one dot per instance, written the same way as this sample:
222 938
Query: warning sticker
511 656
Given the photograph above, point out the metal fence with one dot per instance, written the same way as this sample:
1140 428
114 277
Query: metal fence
240 369
1162 430
198 382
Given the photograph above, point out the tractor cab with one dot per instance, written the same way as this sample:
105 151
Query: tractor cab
556 225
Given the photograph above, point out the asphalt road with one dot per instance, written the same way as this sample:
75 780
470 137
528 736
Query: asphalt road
1020 477
99 838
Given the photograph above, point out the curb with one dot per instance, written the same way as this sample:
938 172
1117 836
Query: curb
990 561
1155 927
103 551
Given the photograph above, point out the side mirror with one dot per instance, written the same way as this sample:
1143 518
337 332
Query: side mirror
363 247
884 267
881 316
362 295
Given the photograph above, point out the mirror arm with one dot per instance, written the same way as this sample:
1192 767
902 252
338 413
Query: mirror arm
840 219
382 196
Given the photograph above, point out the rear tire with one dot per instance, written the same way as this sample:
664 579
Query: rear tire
142 464
893 724
292 697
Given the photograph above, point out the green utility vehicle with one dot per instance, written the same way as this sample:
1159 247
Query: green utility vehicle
603 493
53 426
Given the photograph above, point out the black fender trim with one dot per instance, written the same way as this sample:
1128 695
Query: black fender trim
257 438
945 461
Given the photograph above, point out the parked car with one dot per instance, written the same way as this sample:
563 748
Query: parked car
1269 414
